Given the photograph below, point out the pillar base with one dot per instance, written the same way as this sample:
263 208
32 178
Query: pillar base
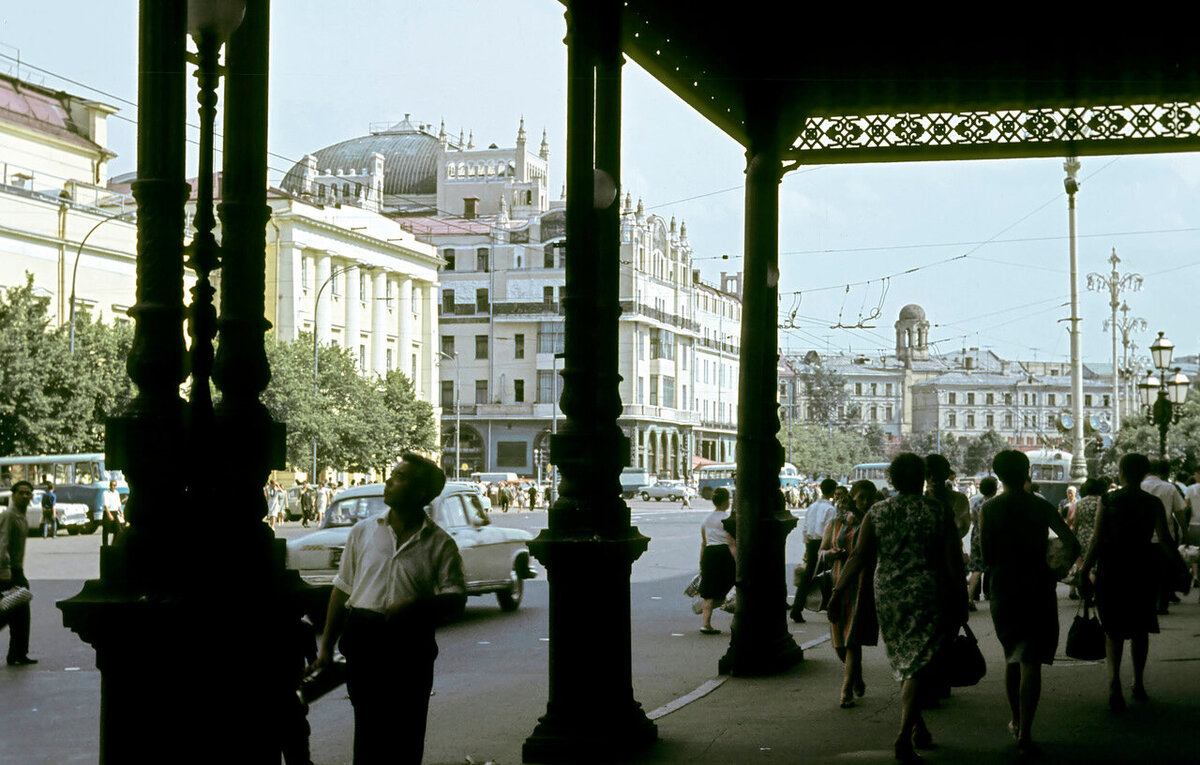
620 735
775 658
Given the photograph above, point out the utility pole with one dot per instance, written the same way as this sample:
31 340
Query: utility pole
1078 460
1114 283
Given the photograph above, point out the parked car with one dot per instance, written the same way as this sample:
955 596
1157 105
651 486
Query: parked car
633 480
72 516
91 497
674 491
495 560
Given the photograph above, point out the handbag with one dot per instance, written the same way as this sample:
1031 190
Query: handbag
693 588
1057 557
1085 639
817 597
17 596
964 661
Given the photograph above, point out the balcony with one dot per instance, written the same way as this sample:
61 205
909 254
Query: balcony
515 308
681 416
630 307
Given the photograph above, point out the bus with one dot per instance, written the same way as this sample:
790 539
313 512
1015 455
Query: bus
712 477
77 478
1050 469
875 472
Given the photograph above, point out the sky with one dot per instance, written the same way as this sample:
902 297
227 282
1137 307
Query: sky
482 66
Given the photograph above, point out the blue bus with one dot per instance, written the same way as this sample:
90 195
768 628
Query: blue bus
724 474
875 472
77 478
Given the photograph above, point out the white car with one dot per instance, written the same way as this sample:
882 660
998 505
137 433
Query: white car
494 559
673 491
72 516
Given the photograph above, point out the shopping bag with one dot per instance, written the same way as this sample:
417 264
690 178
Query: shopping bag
817 598
15 597
693 588
964 661
1085 639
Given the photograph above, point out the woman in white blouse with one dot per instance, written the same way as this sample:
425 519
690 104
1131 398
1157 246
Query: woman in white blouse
718 560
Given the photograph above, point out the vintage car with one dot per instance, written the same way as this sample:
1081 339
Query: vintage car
72 516
495 560
673 491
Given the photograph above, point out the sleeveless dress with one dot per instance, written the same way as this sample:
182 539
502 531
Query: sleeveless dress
910 588
852 619
1126 588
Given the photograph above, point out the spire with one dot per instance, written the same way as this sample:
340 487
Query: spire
471 140
673 226
442 134
641 209
683 230
521 133
461 142
628 201
545 151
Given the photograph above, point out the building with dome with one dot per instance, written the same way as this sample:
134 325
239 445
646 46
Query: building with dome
488 214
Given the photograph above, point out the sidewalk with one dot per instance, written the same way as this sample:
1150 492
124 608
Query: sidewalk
796 718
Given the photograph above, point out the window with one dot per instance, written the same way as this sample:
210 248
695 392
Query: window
874 414
858 389
668 392
1087 399
1107 403
653 390
548 256
510 453
874 391
550 339
1033 398
481 390
1025 399
390 285
470 205
887 413
641 390
362 286
950 420
1050 399
1008 399
970 399
683 403
481 300
991 421
889 392
990 398
447 301
447 394
303 272
953 399
448 345
333 284
519 391
481 346
519 347
481 259
548 295
970 420
449 256
1008 421
545 387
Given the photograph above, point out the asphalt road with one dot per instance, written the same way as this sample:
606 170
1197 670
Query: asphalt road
483 656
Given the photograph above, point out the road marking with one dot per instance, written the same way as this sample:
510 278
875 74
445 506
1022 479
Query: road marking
814 643
702 691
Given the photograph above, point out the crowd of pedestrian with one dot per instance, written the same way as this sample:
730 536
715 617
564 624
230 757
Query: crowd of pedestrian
900 573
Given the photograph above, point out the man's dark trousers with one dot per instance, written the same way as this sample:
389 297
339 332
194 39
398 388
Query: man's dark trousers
389 674
17 620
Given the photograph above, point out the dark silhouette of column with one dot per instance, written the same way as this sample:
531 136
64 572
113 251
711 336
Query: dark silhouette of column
589 547
761 643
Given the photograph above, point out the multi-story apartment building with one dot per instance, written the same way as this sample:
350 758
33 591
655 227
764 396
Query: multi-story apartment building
501 238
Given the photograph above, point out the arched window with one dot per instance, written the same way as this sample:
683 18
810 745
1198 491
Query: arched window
450 170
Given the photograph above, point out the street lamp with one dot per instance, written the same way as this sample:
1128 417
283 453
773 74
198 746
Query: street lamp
1163 396
457 414
316 389
1114 283
75 268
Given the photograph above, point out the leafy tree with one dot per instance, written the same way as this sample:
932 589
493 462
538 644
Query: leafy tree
825 392
410 422
29 354
1139 435
101 385
981 451
824 450
953 448
876 442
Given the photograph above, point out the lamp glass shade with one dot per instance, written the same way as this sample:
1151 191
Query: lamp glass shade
1161 350
1147 389
214 17
1177 387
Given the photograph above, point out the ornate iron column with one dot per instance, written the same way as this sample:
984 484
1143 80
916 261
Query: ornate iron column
590 546
761 643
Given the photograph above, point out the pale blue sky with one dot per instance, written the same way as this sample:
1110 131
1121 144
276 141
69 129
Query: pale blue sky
481 66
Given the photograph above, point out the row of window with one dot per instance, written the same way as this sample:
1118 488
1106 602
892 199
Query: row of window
483 302
553 256
549 341
546 392
337 281
1027 399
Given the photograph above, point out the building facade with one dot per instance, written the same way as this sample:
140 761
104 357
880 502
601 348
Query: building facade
501 239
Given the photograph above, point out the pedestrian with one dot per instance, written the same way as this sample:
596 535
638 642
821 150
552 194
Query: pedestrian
919 594
49 514
321 501
718 560
1067 506
400 576
852 622
308 504
1192 495
533 497
505 497
1174 506
1082 523
939 488
14 530
816 519
114 511
987 489
1016 526
1126 583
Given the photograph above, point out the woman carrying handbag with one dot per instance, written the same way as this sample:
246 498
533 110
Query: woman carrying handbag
1125 587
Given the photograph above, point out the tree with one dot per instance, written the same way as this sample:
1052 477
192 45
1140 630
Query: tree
825 394
1139 435
101 384
876 442
981 451
32 394
825 451
945 443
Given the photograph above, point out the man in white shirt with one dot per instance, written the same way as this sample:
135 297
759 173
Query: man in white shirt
400 576
1173 504
113 510
816 519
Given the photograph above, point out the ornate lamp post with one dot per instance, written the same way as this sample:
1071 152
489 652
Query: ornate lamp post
1161 397
1114 283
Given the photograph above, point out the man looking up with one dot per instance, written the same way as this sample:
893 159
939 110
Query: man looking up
816 519
14 530
400 576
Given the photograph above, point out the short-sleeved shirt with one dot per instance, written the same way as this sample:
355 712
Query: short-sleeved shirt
817 518
714 530
1168 494
377 573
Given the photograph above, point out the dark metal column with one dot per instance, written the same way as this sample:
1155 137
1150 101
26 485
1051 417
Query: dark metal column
128 615
590 546
761 643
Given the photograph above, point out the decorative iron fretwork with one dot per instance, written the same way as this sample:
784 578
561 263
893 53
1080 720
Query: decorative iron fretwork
1020 133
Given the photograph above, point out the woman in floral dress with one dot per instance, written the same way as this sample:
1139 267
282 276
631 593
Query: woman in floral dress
852 621
1082 522
919 598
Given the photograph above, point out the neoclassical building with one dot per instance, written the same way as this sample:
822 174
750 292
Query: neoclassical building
500 238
